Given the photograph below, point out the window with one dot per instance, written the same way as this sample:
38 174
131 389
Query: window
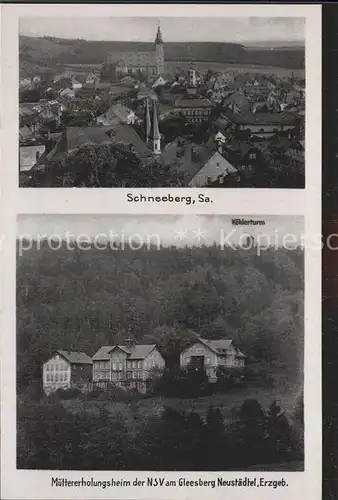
252 156
188 360
134 364
139 364
207 361
128 364
199 350
56 377
56 367
114 365
47 377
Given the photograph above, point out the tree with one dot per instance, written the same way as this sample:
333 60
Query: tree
249 434
109 165
280 441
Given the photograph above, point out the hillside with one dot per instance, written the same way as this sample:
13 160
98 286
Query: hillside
82 300
50 52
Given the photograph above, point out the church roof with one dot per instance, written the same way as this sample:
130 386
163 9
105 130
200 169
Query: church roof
130 59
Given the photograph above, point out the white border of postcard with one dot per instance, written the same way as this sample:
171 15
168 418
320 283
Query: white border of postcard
30 484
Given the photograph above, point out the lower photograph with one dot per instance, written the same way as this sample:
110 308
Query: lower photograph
160 343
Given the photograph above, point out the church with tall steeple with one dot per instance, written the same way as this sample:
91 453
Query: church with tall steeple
150 63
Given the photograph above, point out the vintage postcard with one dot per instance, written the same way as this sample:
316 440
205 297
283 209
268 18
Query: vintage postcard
179 102
161 337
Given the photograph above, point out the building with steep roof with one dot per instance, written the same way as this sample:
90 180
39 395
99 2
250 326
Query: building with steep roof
66 369
148 62
201 164
117 114
74 138
128 366
211 355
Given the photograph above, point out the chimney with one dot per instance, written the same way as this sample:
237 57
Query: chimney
194 154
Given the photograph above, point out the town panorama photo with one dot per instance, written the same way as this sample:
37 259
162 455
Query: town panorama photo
171 102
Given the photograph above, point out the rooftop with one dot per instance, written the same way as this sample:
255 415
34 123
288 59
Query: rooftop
76 357
28 156
78 137
137 351
193 103
261 118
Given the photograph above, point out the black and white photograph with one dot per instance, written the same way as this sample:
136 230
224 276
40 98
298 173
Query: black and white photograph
160 343
162 102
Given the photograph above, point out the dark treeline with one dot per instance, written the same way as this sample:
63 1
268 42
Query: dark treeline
49 52
50 437
82 300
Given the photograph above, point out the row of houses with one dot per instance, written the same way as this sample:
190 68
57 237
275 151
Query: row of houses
132 365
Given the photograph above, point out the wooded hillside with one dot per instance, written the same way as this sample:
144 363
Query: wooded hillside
48 52
84 299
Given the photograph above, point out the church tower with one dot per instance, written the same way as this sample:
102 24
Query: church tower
156 133
159 50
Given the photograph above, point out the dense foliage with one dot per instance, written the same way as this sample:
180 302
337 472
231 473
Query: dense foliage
50 437
108 165
84 299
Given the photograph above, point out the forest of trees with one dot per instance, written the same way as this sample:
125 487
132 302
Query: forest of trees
50 437
85 299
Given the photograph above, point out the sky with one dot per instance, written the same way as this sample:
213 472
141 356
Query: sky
253 29
166 229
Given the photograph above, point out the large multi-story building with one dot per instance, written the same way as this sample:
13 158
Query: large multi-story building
127 365
149 62
195 110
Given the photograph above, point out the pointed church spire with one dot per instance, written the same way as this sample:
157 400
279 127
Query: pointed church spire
148 121
159 38
156 134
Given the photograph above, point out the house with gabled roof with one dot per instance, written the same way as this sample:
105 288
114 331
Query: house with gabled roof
66 369
116 114
129 366
201 164
211 355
